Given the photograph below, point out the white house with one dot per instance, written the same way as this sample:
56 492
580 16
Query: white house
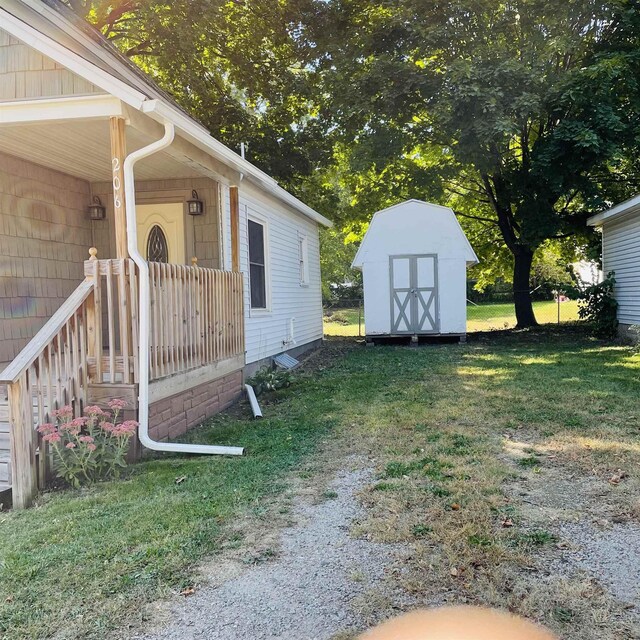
620 227
280 255
129 234
414 258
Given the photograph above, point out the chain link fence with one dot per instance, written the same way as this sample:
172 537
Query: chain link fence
346 317
501 315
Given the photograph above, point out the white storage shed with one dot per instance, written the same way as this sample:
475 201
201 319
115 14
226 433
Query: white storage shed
414 259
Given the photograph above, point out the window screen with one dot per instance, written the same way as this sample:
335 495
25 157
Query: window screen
257 268
303 259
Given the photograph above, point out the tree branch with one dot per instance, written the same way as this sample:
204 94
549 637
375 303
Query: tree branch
468 215
114 15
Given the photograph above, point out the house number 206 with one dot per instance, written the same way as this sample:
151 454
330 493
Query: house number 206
117 196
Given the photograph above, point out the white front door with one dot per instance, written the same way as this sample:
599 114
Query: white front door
161 234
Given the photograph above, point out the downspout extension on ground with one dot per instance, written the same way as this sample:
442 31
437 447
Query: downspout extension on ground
143 269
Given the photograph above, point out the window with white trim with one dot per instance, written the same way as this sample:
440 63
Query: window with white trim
303 258
257 265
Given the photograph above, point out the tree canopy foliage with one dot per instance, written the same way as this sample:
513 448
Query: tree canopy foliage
523 116
235 66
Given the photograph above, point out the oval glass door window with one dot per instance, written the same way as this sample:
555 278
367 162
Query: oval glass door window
157 248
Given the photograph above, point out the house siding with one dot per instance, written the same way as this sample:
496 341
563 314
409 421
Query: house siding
621 253
44 239
26 73
267 331
202 238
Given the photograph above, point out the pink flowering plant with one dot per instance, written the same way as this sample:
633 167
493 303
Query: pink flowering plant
91 447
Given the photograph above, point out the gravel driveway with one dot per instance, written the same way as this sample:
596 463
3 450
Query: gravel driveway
307 592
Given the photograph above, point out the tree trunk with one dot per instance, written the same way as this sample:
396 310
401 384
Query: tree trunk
523 258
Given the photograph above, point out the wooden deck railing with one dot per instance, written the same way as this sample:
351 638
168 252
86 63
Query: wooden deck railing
196 317
50 372
113 350
196 320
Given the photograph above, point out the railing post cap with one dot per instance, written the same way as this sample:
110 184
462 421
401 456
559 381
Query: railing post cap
194 261
93 252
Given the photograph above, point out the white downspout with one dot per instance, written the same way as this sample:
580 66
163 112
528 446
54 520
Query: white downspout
143 334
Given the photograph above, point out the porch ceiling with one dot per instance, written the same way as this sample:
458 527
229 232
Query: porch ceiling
82 148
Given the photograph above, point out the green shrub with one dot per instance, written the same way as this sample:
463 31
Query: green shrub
599 307
339 317
268 379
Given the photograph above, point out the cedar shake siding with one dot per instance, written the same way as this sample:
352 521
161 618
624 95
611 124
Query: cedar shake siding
44 239
25 73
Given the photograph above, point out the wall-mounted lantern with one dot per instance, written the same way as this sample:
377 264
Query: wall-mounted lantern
96 210
195 206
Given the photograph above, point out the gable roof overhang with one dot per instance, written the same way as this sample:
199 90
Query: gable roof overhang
625 209
74 44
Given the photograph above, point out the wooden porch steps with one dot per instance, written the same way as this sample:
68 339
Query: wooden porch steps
5 470
5 451
5 446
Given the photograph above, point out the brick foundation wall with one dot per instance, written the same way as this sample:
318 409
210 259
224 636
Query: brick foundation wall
173 416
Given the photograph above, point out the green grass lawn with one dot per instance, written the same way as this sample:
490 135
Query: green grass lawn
83 563
483 317
486 317
344 322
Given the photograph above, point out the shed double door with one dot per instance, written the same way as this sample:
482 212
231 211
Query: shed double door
414 294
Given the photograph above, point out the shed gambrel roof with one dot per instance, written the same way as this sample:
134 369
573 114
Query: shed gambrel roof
51 28
418 243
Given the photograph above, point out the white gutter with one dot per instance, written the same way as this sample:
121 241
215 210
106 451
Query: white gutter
253 401
143 333
631 206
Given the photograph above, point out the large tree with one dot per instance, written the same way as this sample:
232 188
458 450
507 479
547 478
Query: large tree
524 110
236 66
522 115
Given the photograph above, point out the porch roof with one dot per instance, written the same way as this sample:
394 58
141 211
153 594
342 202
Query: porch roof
81 147
57 33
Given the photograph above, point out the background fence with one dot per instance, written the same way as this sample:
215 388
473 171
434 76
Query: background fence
346 317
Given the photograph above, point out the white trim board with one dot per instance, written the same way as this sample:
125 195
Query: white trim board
89 107
72 61
628 207
181 382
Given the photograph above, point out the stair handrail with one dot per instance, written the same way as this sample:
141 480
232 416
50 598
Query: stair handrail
49 331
